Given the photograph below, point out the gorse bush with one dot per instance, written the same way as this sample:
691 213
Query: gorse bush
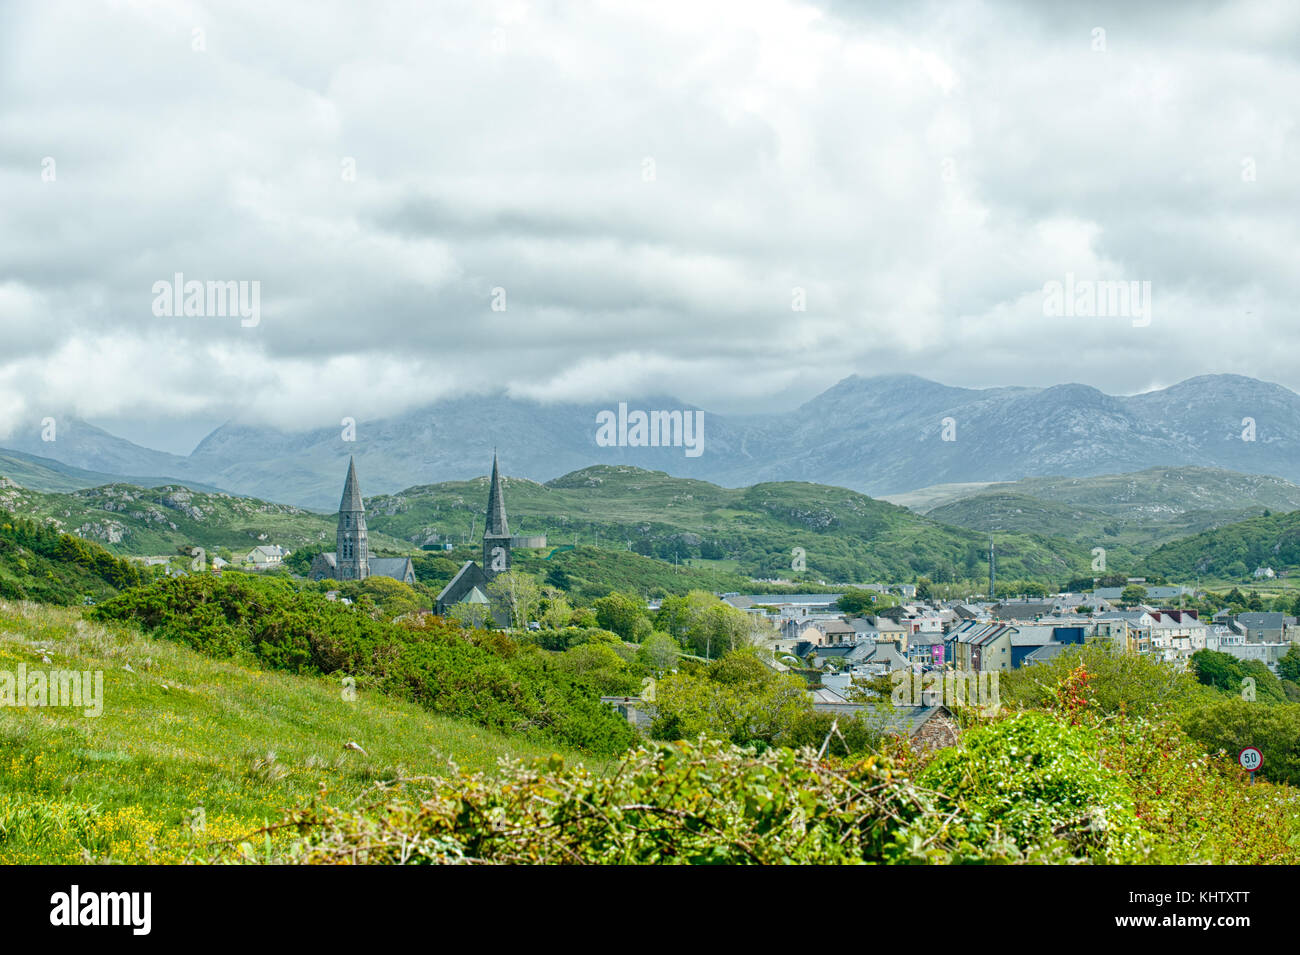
1028 788
1039 782
1205 702
683 803
484 677
37 562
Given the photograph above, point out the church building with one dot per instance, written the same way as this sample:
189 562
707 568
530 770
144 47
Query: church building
470 582
351 558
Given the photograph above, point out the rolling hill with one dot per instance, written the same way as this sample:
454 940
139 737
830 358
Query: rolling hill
754 531
721 537
1232 552
38 563
139 521
182 734
1128 514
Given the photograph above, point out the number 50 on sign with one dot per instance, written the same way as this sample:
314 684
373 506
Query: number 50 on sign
1250 759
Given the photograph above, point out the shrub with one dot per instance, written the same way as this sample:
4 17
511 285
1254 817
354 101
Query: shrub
483 676
1038 782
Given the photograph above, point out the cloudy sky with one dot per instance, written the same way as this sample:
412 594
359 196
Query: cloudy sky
651 190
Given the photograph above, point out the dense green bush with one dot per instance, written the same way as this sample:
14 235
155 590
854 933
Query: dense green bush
740 699
1027 788
39 563
1036 781
686 803
480 676
1231 724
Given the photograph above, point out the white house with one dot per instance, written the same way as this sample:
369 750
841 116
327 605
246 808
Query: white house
266 555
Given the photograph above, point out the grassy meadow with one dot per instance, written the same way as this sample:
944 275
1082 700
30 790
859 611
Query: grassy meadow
189 750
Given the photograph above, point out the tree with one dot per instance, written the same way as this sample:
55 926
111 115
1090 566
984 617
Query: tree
658 653
923 589
472 616
1288 668
725 628
620 613
600 667
855 601
679 616
583 617
1133 594
737 698
554 611
516 594
392 597
1221 670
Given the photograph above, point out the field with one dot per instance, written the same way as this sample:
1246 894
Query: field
183 737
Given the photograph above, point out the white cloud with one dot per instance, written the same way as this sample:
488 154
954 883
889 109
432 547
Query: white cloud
920 173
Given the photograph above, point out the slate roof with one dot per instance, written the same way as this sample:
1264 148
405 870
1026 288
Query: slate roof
903 719
465 579
399 568
826 695
1030 636
496 525
880 653
1046 653
395 567
351 490
1254 620
980 634
1023 611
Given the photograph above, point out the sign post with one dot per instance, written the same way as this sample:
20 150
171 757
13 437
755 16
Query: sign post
1250 759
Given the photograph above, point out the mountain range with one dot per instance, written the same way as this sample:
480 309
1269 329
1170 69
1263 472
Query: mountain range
880 435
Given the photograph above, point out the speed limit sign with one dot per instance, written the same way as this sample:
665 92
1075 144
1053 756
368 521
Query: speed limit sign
1250 759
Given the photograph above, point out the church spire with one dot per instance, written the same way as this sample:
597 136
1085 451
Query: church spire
496 525
351 490
352 549
496 532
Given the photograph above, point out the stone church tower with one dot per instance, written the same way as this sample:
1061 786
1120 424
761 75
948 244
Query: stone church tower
496 532
350 541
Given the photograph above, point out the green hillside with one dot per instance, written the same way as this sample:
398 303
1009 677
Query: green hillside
1124 539
844 535
1233 552
133 520
180 731
588 572
1128 514
1152 494
719 538
39 563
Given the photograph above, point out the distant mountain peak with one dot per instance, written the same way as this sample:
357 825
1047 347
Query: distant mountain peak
881 434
